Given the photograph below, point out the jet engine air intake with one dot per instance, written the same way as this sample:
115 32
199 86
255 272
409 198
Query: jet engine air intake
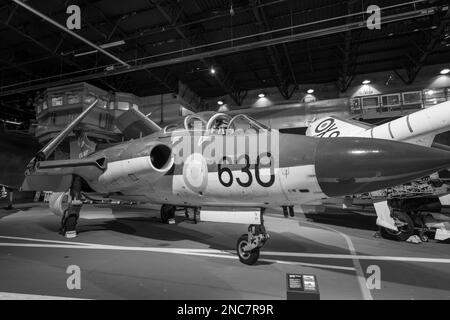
161 157
128 172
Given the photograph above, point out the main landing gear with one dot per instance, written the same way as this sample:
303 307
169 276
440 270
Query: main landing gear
71 215
249 245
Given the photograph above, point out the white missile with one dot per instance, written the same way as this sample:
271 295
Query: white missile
417 128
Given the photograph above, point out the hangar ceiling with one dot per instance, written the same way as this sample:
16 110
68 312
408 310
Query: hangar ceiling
250 43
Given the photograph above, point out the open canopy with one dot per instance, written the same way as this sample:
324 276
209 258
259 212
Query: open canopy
217 123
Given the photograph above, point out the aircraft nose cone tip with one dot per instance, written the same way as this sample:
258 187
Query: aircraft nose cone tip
346 166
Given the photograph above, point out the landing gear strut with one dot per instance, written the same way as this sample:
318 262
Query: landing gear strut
249 245
71 215
167 213
404 224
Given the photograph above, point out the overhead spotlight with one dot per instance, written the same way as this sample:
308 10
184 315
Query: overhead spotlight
212 70
261 95
220 103
366 82
445 71
310 91
430 92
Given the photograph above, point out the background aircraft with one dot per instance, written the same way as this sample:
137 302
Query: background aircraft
413 203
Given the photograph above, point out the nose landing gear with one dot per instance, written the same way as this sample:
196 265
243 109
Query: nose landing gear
248 245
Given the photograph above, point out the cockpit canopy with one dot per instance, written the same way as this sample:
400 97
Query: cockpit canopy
217 123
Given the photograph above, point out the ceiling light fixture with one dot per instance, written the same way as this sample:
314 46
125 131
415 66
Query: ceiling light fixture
366 82
445 71
310 91
261 95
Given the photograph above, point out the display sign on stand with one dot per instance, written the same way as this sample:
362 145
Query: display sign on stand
302 287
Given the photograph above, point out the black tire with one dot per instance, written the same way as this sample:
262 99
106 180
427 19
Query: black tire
403 232
167 213
248 258
70 224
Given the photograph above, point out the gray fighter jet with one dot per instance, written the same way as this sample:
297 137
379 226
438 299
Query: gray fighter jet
226 169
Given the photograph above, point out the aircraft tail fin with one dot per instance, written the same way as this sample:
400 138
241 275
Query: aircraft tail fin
134 124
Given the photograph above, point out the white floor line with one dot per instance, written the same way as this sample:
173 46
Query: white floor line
106 245
358 269
357 257
312 265
21 296
215 254
79 245
46 241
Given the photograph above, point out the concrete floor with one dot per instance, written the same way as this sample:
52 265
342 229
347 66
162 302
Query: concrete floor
125 253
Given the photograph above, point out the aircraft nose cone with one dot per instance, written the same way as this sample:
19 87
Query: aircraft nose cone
346 166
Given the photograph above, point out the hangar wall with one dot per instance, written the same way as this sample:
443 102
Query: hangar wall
381 83
166 108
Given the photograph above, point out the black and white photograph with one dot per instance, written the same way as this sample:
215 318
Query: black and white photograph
227 157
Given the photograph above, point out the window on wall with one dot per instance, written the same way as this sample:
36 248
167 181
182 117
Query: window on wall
73 98
89 98
370 102
413 97
390 100
355 105
103 102
123 105
57 101
433 96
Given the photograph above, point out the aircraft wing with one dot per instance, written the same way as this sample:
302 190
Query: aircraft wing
331 127
56 175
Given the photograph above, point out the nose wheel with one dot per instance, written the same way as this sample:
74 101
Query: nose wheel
248 245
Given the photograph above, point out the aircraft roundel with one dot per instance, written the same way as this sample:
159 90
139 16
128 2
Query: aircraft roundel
195 173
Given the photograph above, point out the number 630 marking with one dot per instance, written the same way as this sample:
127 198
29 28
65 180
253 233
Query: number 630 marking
246 169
